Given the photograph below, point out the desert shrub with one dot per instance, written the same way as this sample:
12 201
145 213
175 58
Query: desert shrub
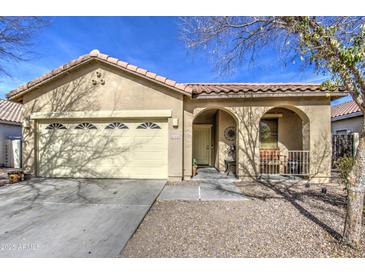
344 166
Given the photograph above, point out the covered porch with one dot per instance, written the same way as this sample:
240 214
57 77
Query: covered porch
214 143
284 143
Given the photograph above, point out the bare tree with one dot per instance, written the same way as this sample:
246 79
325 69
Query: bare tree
15 38
332 45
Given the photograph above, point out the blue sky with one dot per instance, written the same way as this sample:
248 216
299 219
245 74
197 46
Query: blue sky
149 42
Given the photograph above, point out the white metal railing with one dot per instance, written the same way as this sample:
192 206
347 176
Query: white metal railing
294 162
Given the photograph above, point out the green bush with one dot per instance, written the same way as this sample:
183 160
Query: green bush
344 166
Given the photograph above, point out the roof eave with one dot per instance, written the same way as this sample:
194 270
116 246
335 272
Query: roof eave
347 116
45 81
271 95
18 95
13 123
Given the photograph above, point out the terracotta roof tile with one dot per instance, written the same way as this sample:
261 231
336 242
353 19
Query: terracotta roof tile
344 109
132 67
206 89
10 111
122 64
161 78
182 86
112 60
103 56
151 74
142 71
95 54
191 89
170 82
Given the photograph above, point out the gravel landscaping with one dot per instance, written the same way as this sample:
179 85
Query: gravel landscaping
279 220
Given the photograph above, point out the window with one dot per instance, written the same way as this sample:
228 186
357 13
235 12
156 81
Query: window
147 125
116 125
269 133
85 126
55 126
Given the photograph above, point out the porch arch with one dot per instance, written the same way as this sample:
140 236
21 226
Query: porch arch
284 141
199 111
305 121
222 122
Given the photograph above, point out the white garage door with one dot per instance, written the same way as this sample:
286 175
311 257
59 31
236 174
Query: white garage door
103 149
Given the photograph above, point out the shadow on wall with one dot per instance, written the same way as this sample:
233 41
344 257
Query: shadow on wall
80 152
248 134
320 155
65 151
249 145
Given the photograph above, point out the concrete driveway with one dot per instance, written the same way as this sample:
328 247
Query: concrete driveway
72 218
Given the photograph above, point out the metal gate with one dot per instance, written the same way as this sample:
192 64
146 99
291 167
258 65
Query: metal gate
343 145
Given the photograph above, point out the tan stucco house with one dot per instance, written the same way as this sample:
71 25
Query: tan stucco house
100 117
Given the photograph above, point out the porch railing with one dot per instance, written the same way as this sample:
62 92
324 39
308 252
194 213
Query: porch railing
294 162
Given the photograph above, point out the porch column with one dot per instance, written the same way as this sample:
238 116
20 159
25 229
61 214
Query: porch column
320 143
248 146
188 144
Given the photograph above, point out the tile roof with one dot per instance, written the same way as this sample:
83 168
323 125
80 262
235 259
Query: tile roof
189 89
208 89
344 109
10 111
96 55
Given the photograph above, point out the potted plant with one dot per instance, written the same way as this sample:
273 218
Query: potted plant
14 177
195 166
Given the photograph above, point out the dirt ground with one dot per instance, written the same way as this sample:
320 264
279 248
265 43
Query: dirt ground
278 220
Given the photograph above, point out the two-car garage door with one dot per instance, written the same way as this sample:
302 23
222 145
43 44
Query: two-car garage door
102 149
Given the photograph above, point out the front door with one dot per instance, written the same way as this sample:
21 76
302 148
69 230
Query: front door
202 144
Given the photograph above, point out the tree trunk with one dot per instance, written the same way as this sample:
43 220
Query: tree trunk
352 231
355 199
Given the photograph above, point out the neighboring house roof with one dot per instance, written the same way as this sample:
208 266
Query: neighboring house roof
214 89
10 112
189 89
345 110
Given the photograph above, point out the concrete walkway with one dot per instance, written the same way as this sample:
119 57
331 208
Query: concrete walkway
210 173
208 185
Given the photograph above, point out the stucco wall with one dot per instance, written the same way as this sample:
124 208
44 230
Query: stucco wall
354 124
7 130
224 120
290 135
248 113
114 90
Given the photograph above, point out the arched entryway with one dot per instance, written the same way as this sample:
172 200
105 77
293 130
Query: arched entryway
284 142
214 140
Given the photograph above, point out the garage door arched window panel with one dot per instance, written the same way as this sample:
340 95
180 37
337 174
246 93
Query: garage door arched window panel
55 126
116 125
85 126
148 125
